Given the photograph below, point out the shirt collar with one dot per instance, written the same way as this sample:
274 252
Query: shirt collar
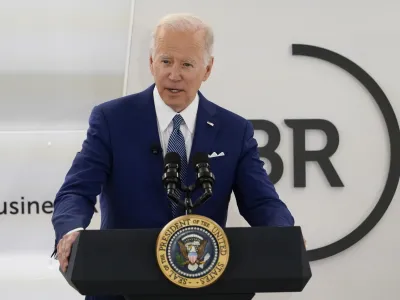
165 114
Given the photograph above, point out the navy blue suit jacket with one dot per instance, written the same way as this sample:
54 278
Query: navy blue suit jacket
116 162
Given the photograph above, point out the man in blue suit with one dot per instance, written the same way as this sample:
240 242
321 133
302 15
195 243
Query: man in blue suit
122 156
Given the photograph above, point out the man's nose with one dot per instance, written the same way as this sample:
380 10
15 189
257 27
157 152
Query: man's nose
175 73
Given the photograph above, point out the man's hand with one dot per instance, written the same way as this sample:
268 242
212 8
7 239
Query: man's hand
64 249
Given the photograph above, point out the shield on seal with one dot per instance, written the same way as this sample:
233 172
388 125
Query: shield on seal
192 255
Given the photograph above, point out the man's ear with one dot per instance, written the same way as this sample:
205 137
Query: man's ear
151 64
209 68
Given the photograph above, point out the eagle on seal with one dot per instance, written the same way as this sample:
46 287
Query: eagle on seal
193 252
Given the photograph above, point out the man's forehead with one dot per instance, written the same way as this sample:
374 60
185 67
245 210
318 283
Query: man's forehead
181 45
177 56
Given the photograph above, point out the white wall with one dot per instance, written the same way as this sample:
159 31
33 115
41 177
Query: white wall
59 58
256 76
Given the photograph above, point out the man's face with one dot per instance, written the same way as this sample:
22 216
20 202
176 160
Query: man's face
178 67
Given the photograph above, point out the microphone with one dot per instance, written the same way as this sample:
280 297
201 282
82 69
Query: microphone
170 178
155 149
204 176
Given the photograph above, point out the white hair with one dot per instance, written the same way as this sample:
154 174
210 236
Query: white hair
186 22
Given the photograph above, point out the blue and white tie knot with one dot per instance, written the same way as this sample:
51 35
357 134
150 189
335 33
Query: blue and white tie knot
177 120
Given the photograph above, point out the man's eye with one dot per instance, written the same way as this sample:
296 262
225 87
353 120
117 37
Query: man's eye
165 61
187 65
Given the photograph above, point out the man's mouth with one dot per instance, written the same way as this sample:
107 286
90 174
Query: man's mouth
174 90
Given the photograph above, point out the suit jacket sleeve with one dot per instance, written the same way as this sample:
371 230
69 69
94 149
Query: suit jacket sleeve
256 197
75 201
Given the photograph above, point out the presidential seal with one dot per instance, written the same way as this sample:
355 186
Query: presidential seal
192 251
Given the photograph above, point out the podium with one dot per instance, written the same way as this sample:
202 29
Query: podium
122 262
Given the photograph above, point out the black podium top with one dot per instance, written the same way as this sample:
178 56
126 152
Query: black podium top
123 262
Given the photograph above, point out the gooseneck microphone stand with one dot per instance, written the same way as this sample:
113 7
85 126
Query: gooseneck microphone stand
187 203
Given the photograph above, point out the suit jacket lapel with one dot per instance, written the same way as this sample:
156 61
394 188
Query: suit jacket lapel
206 131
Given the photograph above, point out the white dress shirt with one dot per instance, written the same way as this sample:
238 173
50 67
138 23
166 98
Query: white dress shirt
165 114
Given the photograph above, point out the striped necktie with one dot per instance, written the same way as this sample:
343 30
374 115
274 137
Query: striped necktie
177 144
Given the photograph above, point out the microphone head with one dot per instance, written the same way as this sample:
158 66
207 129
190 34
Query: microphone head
204 177
172 166
172 158
200 158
